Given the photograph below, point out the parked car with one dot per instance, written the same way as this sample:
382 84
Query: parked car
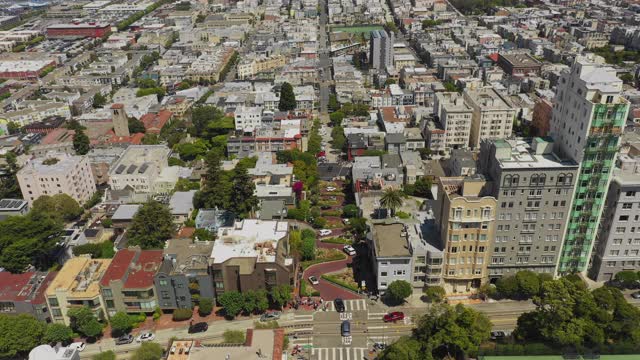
325 232
497 335
313 280
331 188
393 316
339 305
146 336
349 250
274 315
198 327
77 345
636 295
124 339
345 221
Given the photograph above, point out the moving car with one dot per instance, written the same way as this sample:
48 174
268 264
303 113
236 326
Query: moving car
313 280
349 250
339 305
393 316
636 295
325 232
124 339
198 327
146 336
345 328
77 345
275 315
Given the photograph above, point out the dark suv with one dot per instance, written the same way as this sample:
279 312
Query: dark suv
124 339
339 305
199 327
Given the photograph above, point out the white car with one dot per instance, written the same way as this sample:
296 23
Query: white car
313 280
331 188
325 232
78 346
147 336
345 221
349 250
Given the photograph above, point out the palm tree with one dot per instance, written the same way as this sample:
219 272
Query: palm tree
391 200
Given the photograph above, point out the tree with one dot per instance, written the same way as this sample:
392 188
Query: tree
287 98
120 324
391 199
280 295
507 286
191 150
434 294
9 187
449 86
205 306
99 101
59 205
336 118
83 321
232 302
81 142
151 226
333 103
105 355
136 126
20 334
528 283
216 186
14 128
358 227
151 139
338 140
350 211
314 145
405 348
308 248
148 351
55 333
628 279
398 291
243 192
423 187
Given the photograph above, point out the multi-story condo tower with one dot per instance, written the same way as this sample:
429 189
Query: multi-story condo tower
454 114
534 189
493 115
381 50
617 245
588 116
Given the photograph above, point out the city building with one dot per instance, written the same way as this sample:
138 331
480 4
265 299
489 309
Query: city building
465 217
78 30
24 69
492 117
25 294
76 285
381 50
617 244
13 207
247 119
47 352
184 262
454 116
268 172
127 285
144 168
250 255
57 173
534 188
588 117
519 64
391 253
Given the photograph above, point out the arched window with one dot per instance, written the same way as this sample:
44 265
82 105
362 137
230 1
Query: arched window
514 180
561 179
534 180
507 180
568 179
542 179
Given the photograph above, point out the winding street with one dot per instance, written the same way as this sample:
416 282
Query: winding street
329 291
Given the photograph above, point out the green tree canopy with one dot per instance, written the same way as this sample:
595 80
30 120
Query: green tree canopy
136 126
120 324
99 101
216 188
398 291
280 295
232 302
242 192
287 98
434 294
81 143
55 333
148 351
191 150
391 199
84 321
20 334
151 226
205 306
9 187
59 205
105 355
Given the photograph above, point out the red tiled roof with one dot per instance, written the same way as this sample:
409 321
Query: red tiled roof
494 57
118 267
21 287
153 123
117 106
57 136
146 267
40 297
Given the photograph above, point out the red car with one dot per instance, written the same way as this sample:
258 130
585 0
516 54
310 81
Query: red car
394 316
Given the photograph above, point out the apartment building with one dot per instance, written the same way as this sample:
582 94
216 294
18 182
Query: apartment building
465 214
127 285
250 255
588 117
267 172
534 188
391 252
57 173
617 245
248 118
454 116
251 67
185 262
381 50
76 285
24 294
145 169
493 115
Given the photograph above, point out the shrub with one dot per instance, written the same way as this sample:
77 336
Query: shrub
434 294
233 337
205 307
157 313
628 279
182 314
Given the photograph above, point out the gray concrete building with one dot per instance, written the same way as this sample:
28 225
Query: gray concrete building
617 246
381 50
390 253
534 190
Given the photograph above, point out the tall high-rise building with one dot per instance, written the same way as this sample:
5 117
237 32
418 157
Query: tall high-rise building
588 117
534 189
381 50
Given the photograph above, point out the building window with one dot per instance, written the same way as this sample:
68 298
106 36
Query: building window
53 302
56 312
620 230
163 282
107 293
384 273
614 252
617 241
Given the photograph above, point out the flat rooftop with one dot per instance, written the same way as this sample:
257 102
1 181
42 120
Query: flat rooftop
249 238
524 156
389 240
268 342
80 277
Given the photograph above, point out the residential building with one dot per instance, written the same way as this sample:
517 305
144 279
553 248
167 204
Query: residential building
13 207
381 50
588 117
24 69
145 169
250 255
519 64
492 117
391 253
267 172
247 119
264 140
534 188
76 285
181 205
465 216
368 174
454 116
25 294
617 244
47 352
184 262
57 173
127 285
541 119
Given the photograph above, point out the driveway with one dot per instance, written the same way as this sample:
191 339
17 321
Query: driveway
329 291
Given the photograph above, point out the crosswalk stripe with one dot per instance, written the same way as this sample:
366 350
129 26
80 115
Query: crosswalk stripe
348 354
